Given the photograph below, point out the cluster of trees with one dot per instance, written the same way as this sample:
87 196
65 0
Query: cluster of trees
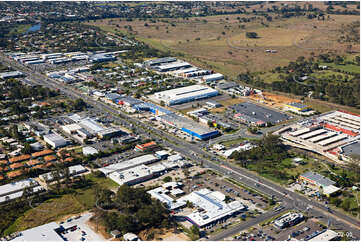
350 33
252 35
13 89
340 89
136 210
266 158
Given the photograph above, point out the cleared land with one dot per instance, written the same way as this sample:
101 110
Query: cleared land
220 43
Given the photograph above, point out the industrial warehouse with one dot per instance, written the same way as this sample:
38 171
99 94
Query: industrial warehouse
139 169
329 135
179 68
190 127
185 94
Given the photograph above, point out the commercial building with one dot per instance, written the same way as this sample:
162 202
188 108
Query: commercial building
128 101
316 179
11 74
146 147
130 237
324 235
109 133
185 94
91 125
333 134
132 176
242 147
102 57
160 193
288 219
213 104
88 150
212 77
140 160
172 66
168 117
319 181
211 207
188 126
157 62
15 190
46 232
55 140
73 171
297 107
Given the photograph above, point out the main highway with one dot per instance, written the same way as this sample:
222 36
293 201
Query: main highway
290 200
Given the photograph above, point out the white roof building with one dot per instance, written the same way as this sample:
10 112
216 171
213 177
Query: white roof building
91 125
55 140
175 158
14 187
71 128
327 235
46 232
212 205
213 77
132 176
88 150
160 194
123 165
73 171
15 195
228 153
185 94
130 237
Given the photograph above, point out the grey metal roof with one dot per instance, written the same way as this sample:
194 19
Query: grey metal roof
160 61
189 124
321 180
227 85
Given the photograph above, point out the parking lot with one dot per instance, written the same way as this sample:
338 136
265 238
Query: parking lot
77 229
261 113
214 182
201 178
271 232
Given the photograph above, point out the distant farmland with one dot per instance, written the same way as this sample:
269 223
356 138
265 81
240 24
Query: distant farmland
220 42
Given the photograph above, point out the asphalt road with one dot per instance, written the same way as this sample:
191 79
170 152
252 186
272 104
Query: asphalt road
194 152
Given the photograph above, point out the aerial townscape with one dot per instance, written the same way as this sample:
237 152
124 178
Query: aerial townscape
180 121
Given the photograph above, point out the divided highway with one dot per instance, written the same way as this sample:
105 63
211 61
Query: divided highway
290 200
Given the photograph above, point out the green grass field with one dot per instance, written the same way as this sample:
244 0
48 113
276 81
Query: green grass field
48 211
346 67
56 208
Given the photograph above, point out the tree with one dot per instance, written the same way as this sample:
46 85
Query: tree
167 179
251 35
26 149
195 234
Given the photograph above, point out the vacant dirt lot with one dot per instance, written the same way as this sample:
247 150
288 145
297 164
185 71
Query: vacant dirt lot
273 99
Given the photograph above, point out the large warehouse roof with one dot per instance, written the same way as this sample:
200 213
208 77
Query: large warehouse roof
186 93
212 204
186 123
145 159
17 186
91 125
317 178
44 232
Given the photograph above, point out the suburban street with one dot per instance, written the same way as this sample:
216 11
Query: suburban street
290 200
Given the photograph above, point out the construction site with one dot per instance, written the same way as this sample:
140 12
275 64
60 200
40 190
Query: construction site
331 135
271 99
